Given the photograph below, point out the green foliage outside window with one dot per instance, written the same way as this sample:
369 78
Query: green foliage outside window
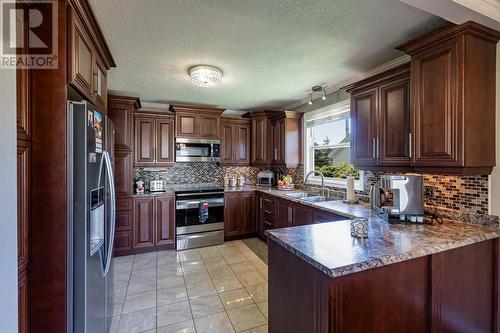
323 163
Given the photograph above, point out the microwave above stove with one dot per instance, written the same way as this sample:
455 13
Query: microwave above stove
197 150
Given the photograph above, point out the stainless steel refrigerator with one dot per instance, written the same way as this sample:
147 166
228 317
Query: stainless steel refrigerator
91 219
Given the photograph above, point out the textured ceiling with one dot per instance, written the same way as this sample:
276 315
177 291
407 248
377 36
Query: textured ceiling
271 52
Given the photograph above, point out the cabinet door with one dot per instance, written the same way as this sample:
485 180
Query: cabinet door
320 216
227 144
279 142
285 214
123 242
164 142
437 113
144 141
122 116
123 220
100 85
364 124
394 123
302 215
165 220
260 143
186 125
209 126
143 222
23 302
247 213
82 58
123 173
242 144
231 214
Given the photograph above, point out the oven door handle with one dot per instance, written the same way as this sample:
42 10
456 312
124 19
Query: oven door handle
190 204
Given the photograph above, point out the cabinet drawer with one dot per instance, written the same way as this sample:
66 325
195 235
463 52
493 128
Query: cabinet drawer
123 220
123 242
123 204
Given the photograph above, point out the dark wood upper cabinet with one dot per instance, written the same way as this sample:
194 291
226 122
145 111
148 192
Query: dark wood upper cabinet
165 220
235 141
121 112
453 99
145 141
196 122
89 57
380 119
364 127
187 125
144 222
165 141
154 140
276 138
261 135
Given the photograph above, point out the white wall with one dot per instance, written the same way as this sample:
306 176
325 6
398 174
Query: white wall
495 177
8 202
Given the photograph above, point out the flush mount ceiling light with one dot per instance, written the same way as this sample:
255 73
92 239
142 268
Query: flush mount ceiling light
205 76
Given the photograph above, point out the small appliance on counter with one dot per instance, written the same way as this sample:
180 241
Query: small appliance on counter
265 178
407 198
139 189
157 186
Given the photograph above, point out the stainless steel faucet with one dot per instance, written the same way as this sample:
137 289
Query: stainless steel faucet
322 180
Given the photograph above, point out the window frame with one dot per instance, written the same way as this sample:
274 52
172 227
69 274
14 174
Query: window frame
337 109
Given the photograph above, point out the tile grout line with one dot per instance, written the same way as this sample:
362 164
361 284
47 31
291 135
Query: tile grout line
187 294
126 291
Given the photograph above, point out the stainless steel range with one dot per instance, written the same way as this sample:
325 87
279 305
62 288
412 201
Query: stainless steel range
199 215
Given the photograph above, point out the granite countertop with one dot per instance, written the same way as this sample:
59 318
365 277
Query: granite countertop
331 248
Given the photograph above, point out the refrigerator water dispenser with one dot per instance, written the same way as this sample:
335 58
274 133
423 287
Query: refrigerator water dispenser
96 220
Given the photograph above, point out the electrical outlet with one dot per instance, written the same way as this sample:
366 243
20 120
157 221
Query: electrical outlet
429 192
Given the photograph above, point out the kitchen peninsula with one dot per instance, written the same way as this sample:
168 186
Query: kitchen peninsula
405 278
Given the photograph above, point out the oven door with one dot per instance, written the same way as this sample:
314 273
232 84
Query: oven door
190 218
190 150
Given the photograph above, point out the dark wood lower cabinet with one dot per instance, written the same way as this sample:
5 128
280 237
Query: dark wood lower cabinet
165 220
453 291
239 215
143 222
23 301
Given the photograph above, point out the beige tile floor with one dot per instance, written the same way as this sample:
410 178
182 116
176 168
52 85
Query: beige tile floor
214 289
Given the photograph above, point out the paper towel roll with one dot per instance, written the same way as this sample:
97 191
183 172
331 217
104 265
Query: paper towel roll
351 197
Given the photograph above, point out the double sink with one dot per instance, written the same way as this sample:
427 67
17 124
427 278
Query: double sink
309 197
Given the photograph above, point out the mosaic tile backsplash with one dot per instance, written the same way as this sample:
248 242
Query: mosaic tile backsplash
460 195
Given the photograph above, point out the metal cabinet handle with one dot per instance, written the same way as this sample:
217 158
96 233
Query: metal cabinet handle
409 145
261 203
374 149
290 215
378 148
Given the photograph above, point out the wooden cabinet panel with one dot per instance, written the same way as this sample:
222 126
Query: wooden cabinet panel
186 125
123 242
394 123
123 173
364 125
286 139
164 142
143 222
321 216
437 115
235 142
23 185
100 86
261 154
285 214
144 151
242 144
82 58
124 220
302 215
120 111
247 213
231 207
23 301
165 220
209 126
279 133
227 144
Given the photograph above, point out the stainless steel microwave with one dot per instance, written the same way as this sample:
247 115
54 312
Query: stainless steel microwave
197 150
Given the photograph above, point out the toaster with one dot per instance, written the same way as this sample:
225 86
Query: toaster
157 186
265 178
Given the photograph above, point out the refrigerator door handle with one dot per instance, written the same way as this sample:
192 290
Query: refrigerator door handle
111 182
